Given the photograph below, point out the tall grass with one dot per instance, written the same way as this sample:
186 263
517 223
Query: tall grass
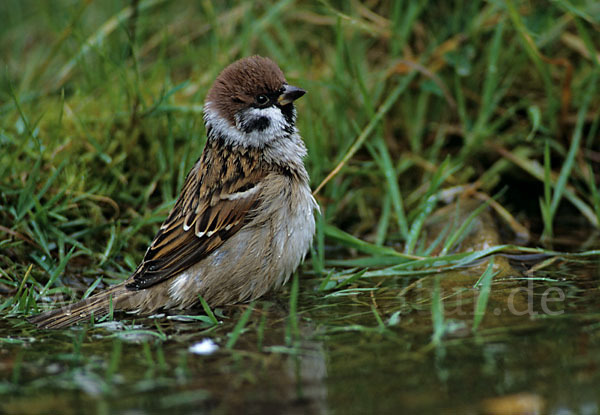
410 104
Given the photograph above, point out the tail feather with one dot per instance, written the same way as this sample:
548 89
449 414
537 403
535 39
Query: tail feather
98 305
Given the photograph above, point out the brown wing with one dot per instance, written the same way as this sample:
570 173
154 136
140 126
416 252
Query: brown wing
218 198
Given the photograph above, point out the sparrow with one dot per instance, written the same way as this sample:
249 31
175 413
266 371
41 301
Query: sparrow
245 217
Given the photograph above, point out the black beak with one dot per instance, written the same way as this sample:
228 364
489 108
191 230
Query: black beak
290 94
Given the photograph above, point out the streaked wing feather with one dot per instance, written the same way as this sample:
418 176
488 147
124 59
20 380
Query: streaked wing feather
201 220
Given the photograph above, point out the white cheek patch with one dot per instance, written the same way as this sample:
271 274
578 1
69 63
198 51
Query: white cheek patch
276 128
275 121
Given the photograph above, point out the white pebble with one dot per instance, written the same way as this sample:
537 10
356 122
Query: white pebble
205 347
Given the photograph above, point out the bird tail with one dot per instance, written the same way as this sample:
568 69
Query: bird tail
98 305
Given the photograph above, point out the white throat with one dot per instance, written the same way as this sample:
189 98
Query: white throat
279 141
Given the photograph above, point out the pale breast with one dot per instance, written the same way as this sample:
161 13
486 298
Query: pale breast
259 257
294 227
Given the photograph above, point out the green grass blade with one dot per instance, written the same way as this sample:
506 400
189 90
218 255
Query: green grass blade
356 243
437 313
292 332
239 327
567 165
207 310
484 284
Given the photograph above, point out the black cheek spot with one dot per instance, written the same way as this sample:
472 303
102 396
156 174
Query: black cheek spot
288 113
257 124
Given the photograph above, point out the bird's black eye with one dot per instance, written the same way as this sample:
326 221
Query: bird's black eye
262 99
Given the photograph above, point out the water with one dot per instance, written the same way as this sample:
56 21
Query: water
337 358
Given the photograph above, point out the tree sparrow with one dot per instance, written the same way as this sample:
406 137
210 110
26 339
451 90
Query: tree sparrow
244 219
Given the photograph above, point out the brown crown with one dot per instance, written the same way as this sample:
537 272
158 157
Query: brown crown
238 84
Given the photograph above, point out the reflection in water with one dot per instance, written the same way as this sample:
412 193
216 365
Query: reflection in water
343 361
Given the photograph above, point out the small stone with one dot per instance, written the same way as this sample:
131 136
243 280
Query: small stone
205 347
